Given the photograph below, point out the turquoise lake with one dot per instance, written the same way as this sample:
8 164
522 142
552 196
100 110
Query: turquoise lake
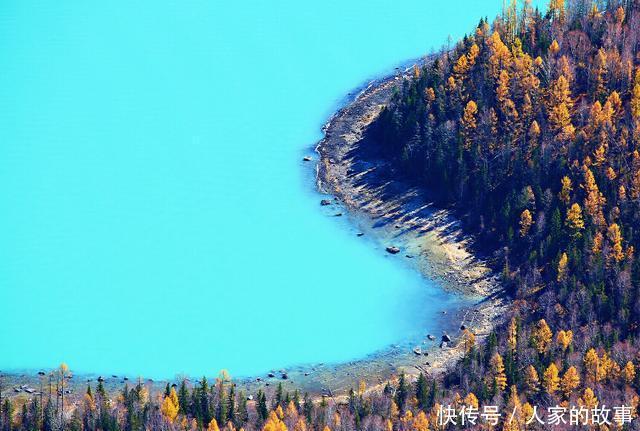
155 215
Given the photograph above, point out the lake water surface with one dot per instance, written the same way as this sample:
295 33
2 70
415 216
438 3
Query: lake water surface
155 215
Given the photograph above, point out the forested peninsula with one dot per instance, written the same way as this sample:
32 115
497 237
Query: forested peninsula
529 130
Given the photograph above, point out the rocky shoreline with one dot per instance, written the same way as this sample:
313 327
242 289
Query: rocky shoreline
404 218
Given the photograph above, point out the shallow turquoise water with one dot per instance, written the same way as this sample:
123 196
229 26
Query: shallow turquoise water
155 215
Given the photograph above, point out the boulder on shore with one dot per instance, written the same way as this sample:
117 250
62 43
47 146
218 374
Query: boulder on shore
393 249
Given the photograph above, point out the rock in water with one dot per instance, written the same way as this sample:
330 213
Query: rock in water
417 351
393 249
307 158
325 202
446 338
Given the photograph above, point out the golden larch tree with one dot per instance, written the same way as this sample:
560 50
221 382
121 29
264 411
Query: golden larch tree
570 381
213 425
614 238
629 372
170 406
526 220
564 339
542 336
497 372
574 220
565 191
588 399
469 123
551 379
563 269
591 365
531 380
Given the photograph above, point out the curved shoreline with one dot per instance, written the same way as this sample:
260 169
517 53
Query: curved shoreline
399 214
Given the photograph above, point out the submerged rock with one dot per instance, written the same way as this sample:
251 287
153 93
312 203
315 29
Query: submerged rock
393 249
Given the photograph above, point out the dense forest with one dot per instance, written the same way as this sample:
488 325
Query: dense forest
530 128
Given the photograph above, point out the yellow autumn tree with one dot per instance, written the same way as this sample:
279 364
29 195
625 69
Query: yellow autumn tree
469 340
588 399
565 191
170 406
570 381
516 420
596 246
614 237
574 220
213 425
551 379
525 222
629 372
594 200
559 109
564 339
420 422
469 123
274 423
542 336
471 400
591 364
562 267
497 372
